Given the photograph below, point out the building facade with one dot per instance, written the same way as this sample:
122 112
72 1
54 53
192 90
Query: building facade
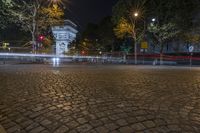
64 35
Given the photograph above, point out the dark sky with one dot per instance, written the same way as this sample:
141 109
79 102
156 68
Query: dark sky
85 11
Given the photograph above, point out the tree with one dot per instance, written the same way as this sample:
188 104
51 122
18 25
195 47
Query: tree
3 12
90 38
163 33
191 38
172 17
49 16
90 32
98 37
173 20
123 28
106 34
32 16
119 11
126 26
183 13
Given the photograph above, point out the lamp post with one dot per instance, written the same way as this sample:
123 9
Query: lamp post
135 37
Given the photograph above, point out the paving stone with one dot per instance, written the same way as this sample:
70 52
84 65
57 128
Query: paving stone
102 130
115 131
163 129
53 126
99 99
37 129
149 124
111 126
72 124
62 129
13 129
60 106
39 119
174 127
34 115
126 130
160 122
131 120
138 126
73 131
8 124
26 123
122 122
32 126
82 120
45 131
84 128
38 109
114 117
96 123
67 107
141 118
52 108
45 122
20 119
105 120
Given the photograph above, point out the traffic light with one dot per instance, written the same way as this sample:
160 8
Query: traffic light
83 52
41 38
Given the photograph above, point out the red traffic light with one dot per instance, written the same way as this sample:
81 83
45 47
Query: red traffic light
41 38
83 52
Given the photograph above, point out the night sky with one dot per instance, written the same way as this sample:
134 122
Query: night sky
85 11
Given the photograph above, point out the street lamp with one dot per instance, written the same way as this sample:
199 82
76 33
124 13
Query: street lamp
135 36
153 19
136 14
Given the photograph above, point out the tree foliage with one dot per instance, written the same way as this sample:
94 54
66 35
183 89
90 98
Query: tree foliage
163 32
3 13
172 17
33 16
106 34
126 23
180 12
97 37
126 8
191 38
49 16
123 29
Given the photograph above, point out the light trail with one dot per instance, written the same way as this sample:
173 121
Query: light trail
49 56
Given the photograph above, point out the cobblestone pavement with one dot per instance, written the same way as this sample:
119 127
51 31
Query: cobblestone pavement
99 99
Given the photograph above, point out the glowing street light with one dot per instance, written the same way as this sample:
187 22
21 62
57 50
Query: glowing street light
136 14
153 20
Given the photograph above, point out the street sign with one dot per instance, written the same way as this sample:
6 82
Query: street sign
191 49
144 45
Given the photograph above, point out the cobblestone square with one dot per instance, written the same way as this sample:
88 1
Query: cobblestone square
99 99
